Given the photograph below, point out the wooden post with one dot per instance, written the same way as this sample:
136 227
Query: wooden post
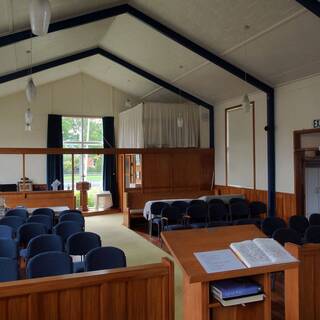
23 171
72 168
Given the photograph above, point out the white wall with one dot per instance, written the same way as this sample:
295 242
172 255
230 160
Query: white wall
76 95
297 105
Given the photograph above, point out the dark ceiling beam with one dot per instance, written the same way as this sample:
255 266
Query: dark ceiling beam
311 5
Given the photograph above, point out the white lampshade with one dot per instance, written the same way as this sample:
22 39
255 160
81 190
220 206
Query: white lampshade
40 16
31 90
28 119
180 121
246 103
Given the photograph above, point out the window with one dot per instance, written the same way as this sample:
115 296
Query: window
84 133
133 175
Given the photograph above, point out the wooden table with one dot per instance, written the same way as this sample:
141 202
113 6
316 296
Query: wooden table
198 303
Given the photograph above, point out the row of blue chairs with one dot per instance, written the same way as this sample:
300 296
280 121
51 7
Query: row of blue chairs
198 213
53 263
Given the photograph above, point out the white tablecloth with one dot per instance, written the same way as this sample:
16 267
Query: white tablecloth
57 210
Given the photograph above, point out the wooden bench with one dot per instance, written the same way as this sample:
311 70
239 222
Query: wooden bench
134 293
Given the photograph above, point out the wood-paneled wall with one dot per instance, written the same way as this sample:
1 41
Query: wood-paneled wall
285 202
36 199
135 293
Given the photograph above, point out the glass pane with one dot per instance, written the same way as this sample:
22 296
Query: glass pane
133 172
71 130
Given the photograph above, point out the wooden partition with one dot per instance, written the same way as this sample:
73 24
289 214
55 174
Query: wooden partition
302 285
285 202
134 293
35 199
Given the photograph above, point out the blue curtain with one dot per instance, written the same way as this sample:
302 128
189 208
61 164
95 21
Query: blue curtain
54 140
109 161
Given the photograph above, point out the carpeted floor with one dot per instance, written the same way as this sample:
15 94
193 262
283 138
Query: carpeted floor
138 250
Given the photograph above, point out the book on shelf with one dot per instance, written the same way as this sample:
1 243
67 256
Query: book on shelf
241 300
234 288
261 252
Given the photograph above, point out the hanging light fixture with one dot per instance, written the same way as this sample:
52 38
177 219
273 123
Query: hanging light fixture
28 119
246 105
31 90
180 121
40 16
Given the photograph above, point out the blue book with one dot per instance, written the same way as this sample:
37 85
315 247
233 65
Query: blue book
232 288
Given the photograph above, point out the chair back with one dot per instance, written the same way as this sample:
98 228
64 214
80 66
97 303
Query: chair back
44 212
66 228
12 221
18 212
312 234
73 217
182 205
314 219
8 269
79 244
285 235
44 243
215 200
27 231
271 224
70 211
198 213
218 211
173 214
105 258
6 231
299 224
47 264
156 208
8 248
198 202
239 209
257 208
44 219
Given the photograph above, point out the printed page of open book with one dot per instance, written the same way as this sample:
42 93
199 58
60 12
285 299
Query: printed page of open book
250 253
274 250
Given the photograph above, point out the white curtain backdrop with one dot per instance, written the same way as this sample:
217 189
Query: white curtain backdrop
160 125
131 128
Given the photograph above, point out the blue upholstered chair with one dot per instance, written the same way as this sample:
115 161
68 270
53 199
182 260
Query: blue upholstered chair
66 228
79 244
105 258
257 208
218 213
173 218
6 231
78 218
28 231
270 224
299 224
197 216
312 234
156 215
8 248
12 221
239 209
285 235
47 264
198 202
44 243
314 219
44 219
182 205
44 212
18 212
8 269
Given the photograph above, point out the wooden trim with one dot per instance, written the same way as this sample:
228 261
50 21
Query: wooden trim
253 142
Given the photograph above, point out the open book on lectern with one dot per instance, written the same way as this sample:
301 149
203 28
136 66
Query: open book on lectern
249 253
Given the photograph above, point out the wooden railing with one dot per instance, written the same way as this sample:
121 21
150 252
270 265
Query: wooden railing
134 293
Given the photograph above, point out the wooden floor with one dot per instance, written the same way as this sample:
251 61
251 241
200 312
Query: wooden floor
141 228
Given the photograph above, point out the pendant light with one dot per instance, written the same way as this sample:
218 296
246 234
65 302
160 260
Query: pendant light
31 90
28 119
40 16
246 105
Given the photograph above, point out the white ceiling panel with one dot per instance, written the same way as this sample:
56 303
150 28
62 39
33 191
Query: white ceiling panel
149 49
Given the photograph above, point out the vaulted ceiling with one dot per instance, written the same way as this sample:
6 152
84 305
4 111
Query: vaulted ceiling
280 46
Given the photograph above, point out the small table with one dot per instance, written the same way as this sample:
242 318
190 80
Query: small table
198 304
106 198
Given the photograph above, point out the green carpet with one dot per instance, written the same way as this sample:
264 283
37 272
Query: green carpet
138 250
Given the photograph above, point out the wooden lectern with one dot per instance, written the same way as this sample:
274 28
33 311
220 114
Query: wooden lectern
83 187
